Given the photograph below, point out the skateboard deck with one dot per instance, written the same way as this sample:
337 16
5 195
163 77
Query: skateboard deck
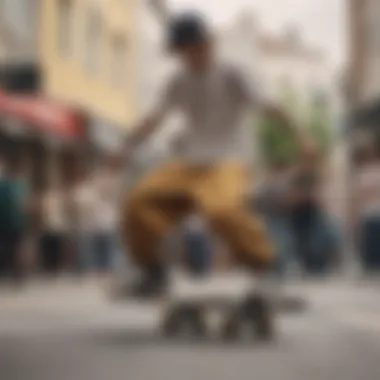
212 291
219 304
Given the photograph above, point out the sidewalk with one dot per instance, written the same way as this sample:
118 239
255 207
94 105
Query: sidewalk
69 306
323 293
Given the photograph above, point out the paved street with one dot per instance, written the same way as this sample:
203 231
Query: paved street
71 331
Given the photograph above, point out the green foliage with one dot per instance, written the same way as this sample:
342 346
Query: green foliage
320 128
277 146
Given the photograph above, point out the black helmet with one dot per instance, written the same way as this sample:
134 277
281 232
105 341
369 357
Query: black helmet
187 29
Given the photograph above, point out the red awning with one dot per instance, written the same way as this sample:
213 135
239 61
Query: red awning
41 113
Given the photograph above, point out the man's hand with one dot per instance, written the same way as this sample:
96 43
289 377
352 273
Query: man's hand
144 131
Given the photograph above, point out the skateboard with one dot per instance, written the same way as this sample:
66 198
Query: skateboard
240 310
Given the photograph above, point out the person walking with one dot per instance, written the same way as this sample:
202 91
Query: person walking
271 200
367 206
107 185
54 237
14 202
83 206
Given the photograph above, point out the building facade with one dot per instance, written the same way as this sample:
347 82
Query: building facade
364 52
18 45
283 66
295 73
19 82
362 90
87 51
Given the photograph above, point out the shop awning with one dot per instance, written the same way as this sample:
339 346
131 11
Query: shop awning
41 113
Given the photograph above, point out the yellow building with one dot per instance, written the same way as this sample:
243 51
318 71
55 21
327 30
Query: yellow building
87 52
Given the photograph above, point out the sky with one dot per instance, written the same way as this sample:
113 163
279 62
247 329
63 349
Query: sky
322 22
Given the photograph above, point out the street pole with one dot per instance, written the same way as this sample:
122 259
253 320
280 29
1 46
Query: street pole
350 244
161 10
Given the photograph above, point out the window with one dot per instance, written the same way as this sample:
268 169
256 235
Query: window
65 17
118 60
92 40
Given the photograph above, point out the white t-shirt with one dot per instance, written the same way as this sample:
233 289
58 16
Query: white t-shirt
214 105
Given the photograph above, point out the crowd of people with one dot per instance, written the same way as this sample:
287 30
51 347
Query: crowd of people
75 229
290 200
67 227
306 236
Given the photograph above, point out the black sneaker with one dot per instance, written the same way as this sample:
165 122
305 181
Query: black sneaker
152 284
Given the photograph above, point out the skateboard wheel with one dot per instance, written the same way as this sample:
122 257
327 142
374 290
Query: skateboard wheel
184 318
197 322
171 324
259 312
231 328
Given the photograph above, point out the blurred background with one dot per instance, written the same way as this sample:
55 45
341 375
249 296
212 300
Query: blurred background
76 75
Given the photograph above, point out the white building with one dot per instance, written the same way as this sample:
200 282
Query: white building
237 43
293 72
280 64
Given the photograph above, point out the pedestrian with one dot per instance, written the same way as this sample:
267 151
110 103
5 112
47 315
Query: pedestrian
367 206
83 208
107 189
315 233
210 176
305 206
14 204
271 200
54 231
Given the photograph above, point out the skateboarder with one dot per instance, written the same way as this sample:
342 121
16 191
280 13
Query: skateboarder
210 176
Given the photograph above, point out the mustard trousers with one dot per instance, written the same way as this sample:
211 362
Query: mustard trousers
171 192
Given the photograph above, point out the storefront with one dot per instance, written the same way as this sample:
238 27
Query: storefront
362 128
41 132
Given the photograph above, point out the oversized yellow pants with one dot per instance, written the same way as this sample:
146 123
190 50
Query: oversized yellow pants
173 191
